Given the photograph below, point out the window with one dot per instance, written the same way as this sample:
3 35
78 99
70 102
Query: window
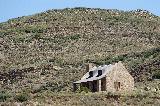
117 86
90 74
99 73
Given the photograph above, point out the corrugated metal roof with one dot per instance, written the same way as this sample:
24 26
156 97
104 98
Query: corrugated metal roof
105 69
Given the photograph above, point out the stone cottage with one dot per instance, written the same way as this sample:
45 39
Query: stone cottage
112 78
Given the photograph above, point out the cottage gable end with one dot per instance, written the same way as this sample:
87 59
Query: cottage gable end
119 79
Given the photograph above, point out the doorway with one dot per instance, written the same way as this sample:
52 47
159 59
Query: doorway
94 86
103 84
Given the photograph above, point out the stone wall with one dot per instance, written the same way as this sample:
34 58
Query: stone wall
119 74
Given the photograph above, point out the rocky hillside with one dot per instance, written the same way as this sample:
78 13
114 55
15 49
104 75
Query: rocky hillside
70 36
47 51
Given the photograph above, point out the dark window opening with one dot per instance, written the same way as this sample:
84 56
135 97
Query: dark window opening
99 73
117 86
90 74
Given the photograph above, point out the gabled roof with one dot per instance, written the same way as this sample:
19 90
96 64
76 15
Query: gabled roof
105 69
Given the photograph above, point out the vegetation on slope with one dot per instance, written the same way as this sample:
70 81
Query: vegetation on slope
47 51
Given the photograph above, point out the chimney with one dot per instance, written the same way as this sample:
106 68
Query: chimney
88 66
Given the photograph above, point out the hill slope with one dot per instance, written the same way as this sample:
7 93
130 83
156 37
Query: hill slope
48 50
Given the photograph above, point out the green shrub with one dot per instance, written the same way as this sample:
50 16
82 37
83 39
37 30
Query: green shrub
37 36
22 97
57 88
156 74
113 95
74 37
151 52
44 72
40 89
35 29
4 96
139 94
84 89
